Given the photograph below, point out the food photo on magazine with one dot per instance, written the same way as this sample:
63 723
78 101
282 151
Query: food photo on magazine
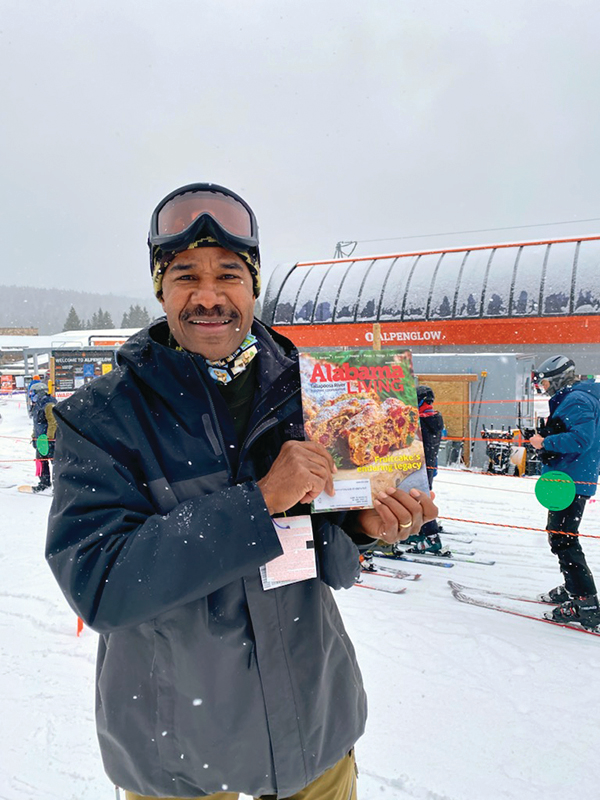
361 405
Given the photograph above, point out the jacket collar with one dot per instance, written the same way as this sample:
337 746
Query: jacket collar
175 373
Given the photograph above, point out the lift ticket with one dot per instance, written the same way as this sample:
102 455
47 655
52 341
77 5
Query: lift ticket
298 560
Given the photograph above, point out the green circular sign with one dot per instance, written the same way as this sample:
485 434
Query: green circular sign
555 490
42 445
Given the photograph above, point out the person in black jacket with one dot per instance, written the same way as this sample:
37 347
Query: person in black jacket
432 424
175 477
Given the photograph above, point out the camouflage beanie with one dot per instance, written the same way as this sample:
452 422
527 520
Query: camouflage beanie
162 259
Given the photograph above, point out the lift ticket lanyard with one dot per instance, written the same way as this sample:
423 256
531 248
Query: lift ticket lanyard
298 561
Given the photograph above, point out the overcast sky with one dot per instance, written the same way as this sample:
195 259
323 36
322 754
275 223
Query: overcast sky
335 119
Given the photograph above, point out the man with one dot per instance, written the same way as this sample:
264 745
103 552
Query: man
44 424
432 424
570 443
168 473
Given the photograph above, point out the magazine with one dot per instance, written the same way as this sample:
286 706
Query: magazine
361 405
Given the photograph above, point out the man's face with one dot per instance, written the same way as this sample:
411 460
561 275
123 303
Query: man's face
207 295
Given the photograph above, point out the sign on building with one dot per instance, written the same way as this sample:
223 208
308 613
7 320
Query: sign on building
7 384
74 368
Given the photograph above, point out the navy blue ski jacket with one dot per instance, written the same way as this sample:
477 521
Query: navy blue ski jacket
575 412
156 534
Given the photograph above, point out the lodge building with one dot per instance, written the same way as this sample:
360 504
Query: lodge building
477 319
537 297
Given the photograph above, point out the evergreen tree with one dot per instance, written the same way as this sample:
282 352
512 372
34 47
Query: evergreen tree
72 322
136 317
107 320
139 316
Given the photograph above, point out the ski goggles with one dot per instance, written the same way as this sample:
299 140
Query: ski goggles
180 218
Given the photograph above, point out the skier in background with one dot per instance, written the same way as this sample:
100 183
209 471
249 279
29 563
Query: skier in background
570 442
427 540
44 423
432 425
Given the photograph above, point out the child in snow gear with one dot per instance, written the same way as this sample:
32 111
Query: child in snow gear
169 472
31 393
44 424
570 442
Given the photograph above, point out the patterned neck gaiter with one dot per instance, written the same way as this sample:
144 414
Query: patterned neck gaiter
227 369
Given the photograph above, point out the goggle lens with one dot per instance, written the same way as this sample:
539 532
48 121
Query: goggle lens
179 213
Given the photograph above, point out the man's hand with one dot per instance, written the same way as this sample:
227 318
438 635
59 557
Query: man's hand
301 471
537 441
396 515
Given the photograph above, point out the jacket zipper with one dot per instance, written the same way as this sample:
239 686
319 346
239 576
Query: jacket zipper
249 440
215 420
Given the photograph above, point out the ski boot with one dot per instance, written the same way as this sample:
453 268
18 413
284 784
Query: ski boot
428 544
41 487
555 596
583 610
366 562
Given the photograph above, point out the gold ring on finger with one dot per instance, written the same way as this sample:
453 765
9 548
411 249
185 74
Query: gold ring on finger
407 525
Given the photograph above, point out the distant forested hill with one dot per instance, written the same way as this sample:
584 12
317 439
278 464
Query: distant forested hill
47 309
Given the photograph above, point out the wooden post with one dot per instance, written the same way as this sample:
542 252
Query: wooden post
376 336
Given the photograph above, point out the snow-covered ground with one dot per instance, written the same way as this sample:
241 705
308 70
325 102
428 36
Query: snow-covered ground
465 703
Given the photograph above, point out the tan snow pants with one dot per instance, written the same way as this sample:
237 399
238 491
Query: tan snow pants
338 783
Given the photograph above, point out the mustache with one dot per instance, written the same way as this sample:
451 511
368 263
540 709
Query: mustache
215 312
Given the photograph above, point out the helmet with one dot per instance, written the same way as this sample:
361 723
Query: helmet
558 370
425 394
39 388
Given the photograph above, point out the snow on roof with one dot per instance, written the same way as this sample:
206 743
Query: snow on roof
81 338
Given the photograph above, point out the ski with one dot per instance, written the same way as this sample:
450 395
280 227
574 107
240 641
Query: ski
507 596
457 538
454 550
390 572
433 558
466 559
26 489
415 559
445 552
482 598
457 534
400 590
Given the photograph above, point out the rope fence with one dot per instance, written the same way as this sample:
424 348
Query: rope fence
517 434
518 527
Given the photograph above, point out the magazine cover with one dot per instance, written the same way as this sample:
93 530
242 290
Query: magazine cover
361 405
